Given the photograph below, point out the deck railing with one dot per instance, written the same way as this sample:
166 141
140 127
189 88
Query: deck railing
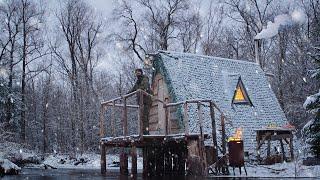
122 102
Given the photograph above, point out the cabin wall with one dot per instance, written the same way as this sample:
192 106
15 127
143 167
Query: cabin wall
157 112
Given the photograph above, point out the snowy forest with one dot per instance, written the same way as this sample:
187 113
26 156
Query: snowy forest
59 60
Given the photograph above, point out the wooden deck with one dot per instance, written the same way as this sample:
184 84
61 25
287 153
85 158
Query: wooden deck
166 153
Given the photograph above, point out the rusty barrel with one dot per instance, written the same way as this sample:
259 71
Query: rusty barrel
236 153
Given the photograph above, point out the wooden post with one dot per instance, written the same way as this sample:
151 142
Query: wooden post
291 148
167 118
223 136
269 147
103 160
134 160
202 148
258 145
282 150
214 130
141 113
185 118
102 128
113 119
123 162
125 119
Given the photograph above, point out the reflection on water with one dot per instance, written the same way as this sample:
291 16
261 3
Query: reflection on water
62 174
92 174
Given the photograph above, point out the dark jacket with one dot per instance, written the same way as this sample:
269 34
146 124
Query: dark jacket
143 84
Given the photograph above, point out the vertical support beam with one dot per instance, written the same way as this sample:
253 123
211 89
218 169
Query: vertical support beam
103 160
167 118
134 160
102 128
258 145
123 162
291 147
223 132
113 119
185 119
214 130
202 148
282 151
125 117
269 147
141 108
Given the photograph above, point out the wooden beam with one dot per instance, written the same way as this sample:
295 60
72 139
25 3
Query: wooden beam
113 120
102 127
185 119
141 110
202 150
223 137
167 118
122 105
291 149
214 130
134 160
269 148
103 160
125 117
123 162
282 150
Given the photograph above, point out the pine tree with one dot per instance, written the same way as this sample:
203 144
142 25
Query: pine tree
313 104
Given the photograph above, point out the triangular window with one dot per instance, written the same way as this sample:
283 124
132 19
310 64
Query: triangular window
240 95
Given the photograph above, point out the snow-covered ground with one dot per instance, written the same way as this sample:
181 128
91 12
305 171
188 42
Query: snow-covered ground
92 161
291 169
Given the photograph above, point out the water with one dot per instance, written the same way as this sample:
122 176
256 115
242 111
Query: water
92 174
62 174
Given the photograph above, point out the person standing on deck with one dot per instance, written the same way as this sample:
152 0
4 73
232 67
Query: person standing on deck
143 84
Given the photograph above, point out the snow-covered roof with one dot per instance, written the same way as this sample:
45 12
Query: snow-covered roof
191 76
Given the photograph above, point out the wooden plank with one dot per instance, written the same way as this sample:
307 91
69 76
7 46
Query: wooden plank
122 105
291 149
223 136
269 148
185 119
103 159
214 130
113 120
102 127
282 150
123 162
125 118
202 150
141 114
167 160
134 169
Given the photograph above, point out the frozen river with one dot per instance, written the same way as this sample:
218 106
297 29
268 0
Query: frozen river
62 174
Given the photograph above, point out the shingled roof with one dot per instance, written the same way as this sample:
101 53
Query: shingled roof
191 76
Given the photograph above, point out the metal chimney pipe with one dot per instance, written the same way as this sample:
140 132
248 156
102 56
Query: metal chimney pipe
256 51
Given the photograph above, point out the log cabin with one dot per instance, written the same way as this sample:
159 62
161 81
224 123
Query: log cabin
239 88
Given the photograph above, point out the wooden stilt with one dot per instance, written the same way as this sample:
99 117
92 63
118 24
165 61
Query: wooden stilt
167 160
269 148
134 160
282 150
123 162
103 160
291 149
214 131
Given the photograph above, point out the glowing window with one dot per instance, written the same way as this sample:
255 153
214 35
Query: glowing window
240 95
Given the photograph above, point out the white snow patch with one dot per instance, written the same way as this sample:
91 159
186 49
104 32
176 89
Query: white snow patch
311 99
8 165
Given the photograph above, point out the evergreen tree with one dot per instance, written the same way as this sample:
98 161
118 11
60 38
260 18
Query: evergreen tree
313 104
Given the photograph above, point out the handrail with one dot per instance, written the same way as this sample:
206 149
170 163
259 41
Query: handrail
166 105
